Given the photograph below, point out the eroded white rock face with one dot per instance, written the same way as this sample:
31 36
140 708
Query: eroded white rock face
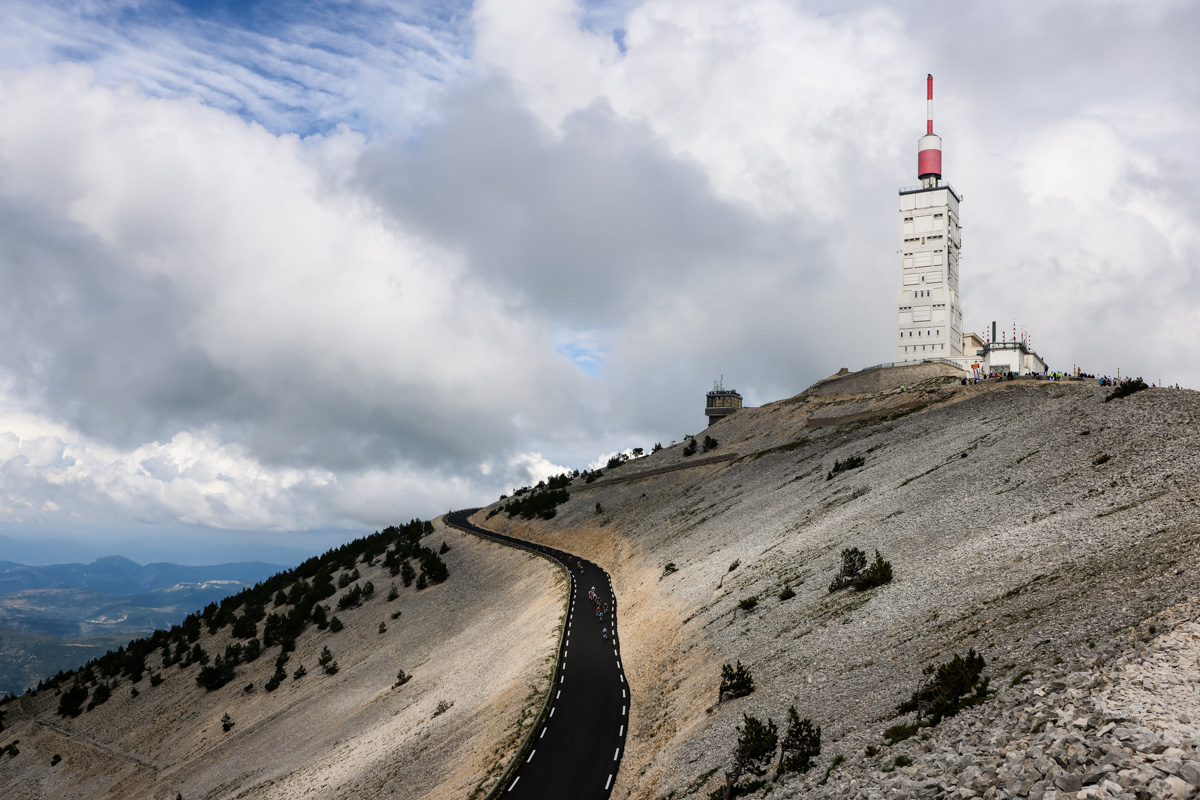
1125 729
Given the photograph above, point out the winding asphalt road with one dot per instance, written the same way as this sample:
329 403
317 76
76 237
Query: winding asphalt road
578 750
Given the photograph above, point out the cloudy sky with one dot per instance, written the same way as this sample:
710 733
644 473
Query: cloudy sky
272 272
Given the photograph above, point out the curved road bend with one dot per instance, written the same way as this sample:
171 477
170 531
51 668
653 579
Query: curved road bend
578 751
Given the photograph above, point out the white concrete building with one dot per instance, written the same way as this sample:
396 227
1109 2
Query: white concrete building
928 311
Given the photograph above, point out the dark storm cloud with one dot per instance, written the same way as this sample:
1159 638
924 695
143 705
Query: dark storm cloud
590 228
90 341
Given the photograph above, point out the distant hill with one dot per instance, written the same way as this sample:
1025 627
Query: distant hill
116 575
99 606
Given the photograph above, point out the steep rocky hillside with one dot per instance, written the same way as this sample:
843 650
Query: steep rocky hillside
477 648
1030 521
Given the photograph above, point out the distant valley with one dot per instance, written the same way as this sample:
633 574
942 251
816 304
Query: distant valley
58 616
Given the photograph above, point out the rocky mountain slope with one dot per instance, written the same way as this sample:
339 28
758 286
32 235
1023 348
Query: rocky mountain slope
1030 521
477 648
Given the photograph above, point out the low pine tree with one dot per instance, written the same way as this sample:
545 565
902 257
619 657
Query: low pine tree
754 751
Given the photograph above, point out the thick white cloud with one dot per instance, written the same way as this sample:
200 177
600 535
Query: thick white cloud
322 276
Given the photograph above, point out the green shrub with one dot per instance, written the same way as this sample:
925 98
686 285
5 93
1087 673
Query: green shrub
737 563
801 744
901 761
1101 459
227 722
55 760
898 733
537 504
1126 388
669 568
383 627
736 681
879 573
709 444
335 624
948 688
689 449
748 604
656 448
853 562
851 462
402 678
70 702
421 582
788 593
445 548
215 675
299 673
753 753
393 593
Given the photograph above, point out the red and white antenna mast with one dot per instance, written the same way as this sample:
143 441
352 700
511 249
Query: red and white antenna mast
929 147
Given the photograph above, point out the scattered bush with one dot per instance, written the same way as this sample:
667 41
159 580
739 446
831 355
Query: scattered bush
656 448
788 593
396 614
879 573
541 503
227 722
851 462
709 444
857 575
947 689
689 449
100 695
754 751
299 673
407 573
70 702
55 760
445 548
156 679
1101 459
801 744
326 662
393 593
853 562
901 761
216 675
736 681
748 604
737 563
1126 388
350 599
402 678
669 568
442 708
599 508
383 627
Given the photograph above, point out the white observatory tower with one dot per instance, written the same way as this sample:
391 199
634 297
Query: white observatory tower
928 314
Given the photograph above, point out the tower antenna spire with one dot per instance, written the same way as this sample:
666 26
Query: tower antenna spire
929 147
929 103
